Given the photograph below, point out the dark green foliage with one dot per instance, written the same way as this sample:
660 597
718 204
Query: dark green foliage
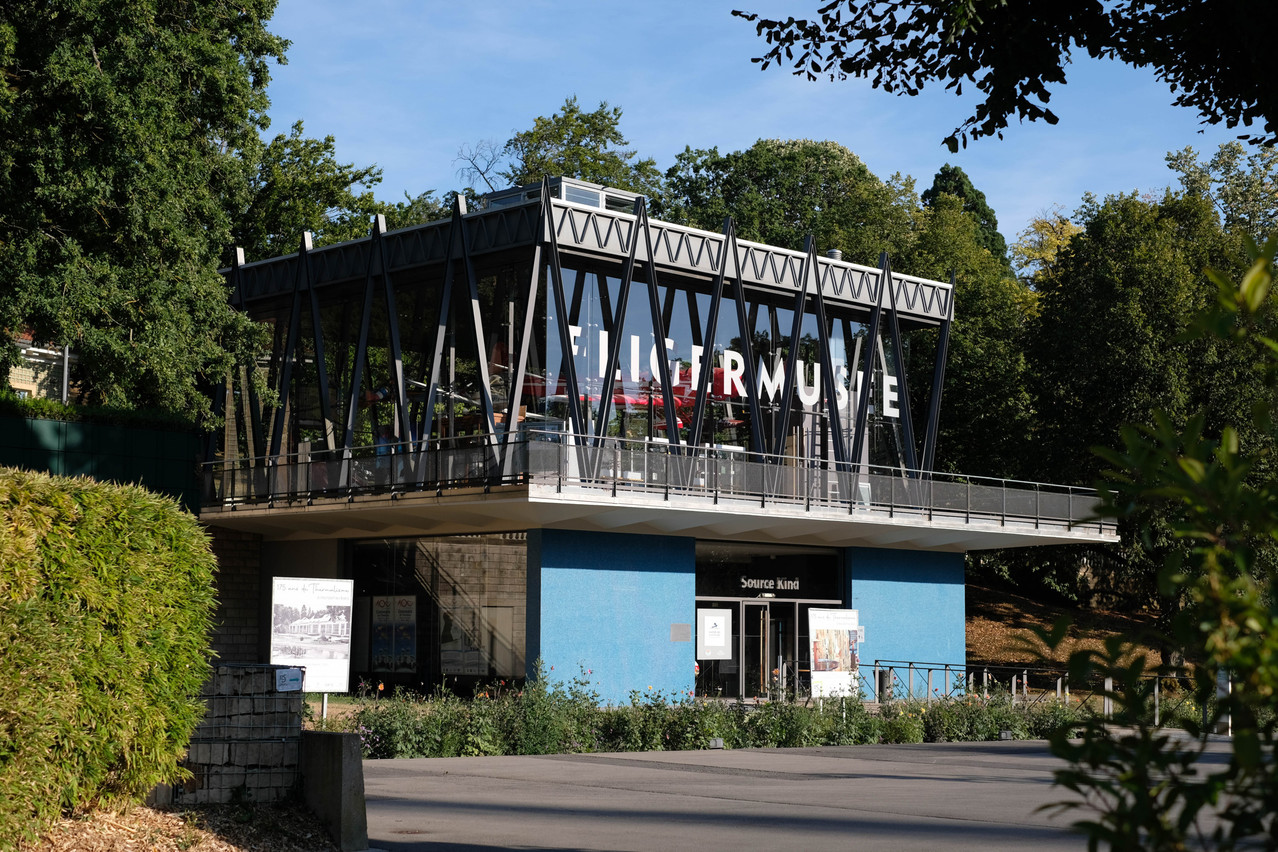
570 143
779 191
1210 54
558 718
986 413
1108 349
108 599
296 184
1136 787
117 125
952 180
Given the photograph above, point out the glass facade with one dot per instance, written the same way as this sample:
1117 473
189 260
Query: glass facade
433 353
762 594
451 609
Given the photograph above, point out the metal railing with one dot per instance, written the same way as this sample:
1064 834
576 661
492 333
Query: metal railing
897 680
617 466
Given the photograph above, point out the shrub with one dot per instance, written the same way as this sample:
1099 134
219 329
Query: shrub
902 722
108 595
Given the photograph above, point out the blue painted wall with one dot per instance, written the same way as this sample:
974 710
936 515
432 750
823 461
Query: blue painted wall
912 604
605 602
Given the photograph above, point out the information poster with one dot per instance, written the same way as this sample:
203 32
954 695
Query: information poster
835 665
714 634
311 628
393 647
459 653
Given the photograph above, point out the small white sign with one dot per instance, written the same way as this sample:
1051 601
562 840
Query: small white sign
714 634
288 680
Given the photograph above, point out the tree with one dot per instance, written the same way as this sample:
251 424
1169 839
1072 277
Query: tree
1040 244
1215 55
779 191
954 181
570 143
1140 788
118 123
1106 346
987 413
1108 350
296 184
1243 188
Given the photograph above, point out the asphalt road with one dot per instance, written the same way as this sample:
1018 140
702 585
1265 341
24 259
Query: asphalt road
955 796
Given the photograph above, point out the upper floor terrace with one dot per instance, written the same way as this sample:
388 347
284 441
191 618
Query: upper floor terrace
549 479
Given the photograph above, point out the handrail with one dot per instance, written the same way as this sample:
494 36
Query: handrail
618 466
961 680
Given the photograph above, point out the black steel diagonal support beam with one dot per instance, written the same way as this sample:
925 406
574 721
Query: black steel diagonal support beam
746 326
867 369
317 331
792 359
902 386
290 355
403 426
938 379
712 327
521 362
659 328
614 339
561 311
361 360
477 325
441 336
828 390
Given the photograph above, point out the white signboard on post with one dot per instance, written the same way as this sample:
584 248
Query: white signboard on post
714 634
311 628
835 665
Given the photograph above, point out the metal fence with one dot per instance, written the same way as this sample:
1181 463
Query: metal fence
898 680
618 466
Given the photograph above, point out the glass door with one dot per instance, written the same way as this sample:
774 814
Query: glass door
756 637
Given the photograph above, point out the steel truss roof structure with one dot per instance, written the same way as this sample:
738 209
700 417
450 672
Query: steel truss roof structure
549 227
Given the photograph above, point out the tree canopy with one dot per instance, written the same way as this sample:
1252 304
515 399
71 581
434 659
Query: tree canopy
296 184
779 191
987 415
954 181
1215 56
118 123
1242 187
571 143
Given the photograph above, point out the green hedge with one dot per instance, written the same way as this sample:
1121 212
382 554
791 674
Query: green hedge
559 718
106 600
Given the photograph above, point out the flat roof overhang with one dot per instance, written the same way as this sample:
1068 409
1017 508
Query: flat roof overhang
461 511
603 235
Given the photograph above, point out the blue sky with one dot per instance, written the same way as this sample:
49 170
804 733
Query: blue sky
406 84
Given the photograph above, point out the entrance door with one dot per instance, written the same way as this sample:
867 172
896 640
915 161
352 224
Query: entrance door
756 637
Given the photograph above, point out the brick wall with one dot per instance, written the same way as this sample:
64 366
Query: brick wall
237 632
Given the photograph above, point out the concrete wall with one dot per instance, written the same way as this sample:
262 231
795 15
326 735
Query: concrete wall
318 558
912 604
333 786
610 603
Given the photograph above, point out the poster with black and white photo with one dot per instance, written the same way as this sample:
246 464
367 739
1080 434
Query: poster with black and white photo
311 627
835 665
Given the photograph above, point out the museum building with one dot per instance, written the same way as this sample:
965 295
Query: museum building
554 429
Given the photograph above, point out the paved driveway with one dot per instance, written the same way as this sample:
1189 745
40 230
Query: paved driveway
976 796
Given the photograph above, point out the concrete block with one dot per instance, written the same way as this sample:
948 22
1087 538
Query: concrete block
332 773
226 778
245 754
